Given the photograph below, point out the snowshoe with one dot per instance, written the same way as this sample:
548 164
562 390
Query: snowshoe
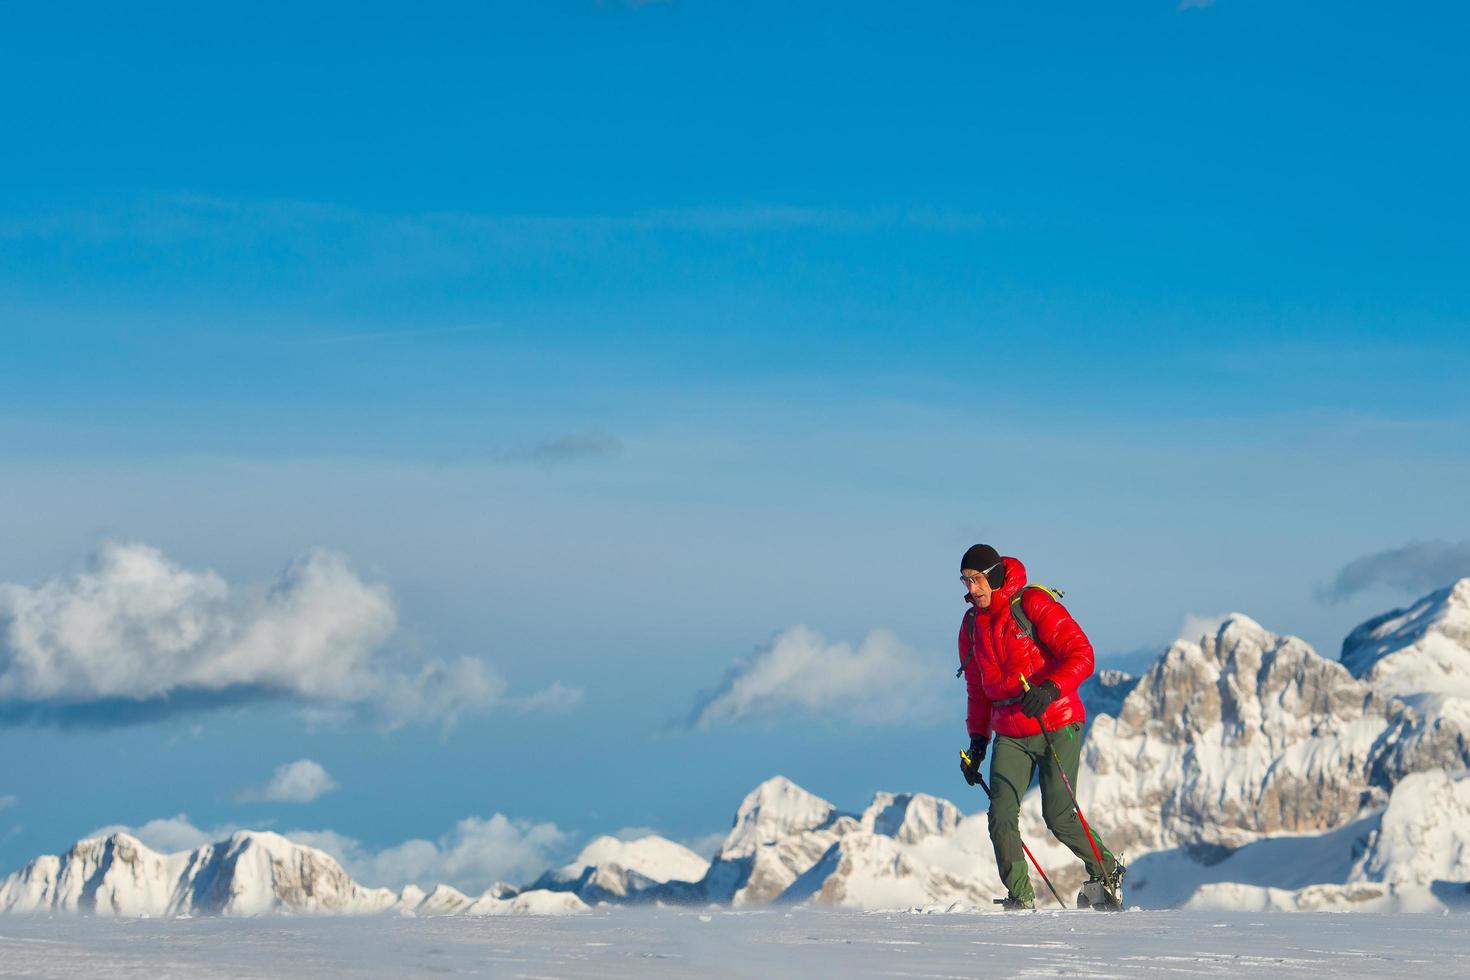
1013 904
1104 895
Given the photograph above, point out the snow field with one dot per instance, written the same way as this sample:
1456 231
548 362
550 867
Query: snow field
627 942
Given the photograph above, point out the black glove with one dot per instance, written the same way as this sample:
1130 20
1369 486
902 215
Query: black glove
970 761
1039 698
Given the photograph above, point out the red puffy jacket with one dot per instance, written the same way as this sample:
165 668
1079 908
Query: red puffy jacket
1000 653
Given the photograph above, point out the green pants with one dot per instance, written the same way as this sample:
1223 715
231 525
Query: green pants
1013 763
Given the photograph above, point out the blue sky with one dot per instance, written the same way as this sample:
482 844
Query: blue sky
613 341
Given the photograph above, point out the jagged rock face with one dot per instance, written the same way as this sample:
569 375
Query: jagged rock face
610 870
761 875
1105 691
252 873
774 809
443 900
1420 656
249 874
780 831
824 856
1240 734
910 817
1415 858
864 870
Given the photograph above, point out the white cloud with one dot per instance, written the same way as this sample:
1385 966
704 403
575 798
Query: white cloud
799 671
1196 626
474 855
297 782
171 834
442 690
555 699
135 635
7 801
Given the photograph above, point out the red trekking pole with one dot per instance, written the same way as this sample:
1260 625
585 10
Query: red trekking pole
1070 792
1034 863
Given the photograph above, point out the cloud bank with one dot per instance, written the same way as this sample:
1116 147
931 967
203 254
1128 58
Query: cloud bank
800 672
297 782
1415 568
474 855
135 637
169 835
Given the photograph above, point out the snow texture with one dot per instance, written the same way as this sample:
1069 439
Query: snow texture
640 943
609 869
1420 654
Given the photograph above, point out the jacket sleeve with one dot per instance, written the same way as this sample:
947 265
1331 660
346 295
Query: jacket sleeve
1068 650
977 718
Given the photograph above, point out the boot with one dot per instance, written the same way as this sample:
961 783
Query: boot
1013 904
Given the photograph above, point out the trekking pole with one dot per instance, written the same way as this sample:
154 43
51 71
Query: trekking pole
1070 792
1034 863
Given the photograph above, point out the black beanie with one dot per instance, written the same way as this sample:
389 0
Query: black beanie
981 557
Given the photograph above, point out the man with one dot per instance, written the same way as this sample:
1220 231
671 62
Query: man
995 651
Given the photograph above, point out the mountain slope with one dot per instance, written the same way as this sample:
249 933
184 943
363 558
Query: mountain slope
609 870
249 874
1420 654
252 873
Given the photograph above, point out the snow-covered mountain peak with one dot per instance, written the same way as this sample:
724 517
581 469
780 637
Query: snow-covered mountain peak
250 873
1237 627
657 857
1246 733
1418 653
610 869
774 809
910 817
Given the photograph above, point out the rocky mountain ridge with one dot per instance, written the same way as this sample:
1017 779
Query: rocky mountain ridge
1242 770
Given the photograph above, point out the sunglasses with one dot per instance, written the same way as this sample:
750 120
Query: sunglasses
972 579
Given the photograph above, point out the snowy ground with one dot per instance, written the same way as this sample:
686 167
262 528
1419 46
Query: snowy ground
765 944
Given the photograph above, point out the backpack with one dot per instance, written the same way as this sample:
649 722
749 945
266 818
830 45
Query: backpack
1023 622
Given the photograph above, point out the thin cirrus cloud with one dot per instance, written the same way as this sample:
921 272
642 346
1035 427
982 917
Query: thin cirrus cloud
135 637
296 782
569 448
1414 568
800 673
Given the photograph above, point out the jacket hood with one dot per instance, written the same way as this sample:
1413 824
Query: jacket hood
1014 582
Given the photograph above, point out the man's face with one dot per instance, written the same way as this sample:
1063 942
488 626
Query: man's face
978 590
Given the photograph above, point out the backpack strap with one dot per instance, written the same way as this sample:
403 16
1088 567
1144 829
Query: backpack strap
969 625
1023 622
